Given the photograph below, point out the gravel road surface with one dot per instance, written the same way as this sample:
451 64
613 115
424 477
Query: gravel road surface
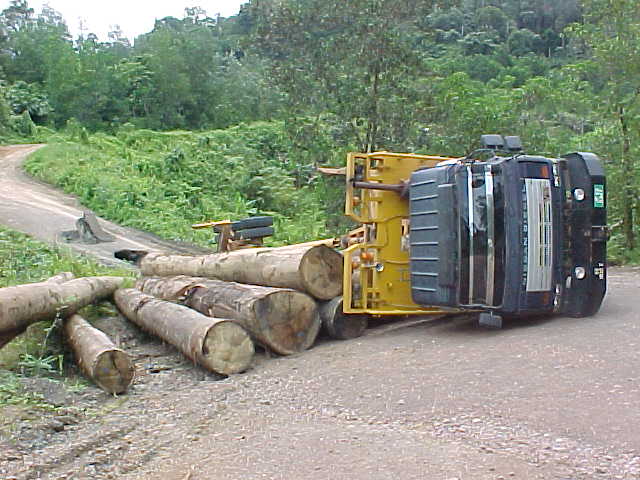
441 399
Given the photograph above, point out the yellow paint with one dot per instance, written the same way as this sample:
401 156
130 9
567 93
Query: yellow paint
383 270
200 226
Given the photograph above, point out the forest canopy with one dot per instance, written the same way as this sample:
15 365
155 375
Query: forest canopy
428 76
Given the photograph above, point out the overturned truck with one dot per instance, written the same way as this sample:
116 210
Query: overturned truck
498 232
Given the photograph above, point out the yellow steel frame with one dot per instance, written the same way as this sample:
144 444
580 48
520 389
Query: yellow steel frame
376 266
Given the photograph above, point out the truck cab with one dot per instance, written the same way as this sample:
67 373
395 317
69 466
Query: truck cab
498 231
516 234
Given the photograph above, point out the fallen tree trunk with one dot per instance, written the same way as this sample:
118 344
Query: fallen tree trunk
97 356
339 325
6 337
23 305
217 344
280 319
315 269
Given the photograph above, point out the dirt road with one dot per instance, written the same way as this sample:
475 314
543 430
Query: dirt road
32 207
540 399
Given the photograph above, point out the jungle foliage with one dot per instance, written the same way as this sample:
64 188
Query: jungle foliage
313 79
163 182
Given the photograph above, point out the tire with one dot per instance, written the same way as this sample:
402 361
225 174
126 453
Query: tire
253 233
252 222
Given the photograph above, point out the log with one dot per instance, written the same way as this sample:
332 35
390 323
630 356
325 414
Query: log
6 337
217 344
280 319
315 269
98 357
22 305
60 278
339 325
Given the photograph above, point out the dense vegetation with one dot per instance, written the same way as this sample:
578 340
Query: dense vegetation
164 182
320 77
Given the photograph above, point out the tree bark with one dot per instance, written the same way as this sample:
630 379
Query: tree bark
98 357
60 278
6 337
315 269
283 320
23 305
628 197
219 345
339 325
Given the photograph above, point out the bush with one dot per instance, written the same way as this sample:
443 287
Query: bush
23 125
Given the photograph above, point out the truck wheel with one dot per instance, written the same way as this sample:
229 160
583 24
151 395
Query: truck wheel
253 233
252 222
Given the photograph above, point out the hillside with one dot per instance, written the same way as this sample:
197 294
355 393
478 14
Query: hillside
309 81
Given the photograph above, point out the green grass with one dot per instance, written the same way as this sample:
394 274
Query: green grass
39 351
164 182
12 394
25 260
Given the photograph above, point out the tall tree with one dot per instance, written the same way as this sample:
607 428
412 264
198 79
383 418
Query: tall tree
347 58
612 31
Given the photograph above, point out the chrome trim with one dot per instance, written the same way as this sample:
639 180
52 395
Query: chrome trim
471 221
540 235
556 172
491 233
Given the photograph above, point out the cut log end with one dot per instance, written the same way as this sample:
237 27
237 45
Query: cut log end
292 318
339 325
321 271
227 349
113 371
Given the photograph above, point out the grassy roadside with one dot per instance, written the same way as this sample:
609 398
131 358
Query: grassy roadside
163 182
39 350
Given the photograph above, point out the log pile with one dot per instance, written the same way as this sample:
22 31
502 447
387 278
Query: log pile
62 296
211 307
280 319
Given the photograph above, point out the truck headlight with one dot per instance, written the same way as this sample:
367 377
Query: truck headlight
580 272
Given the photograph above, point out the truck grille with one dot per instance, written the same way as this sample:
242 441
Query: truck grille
538 226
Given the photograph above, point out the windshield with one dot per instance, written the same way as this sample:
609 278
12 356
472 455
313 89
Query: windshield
481 234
